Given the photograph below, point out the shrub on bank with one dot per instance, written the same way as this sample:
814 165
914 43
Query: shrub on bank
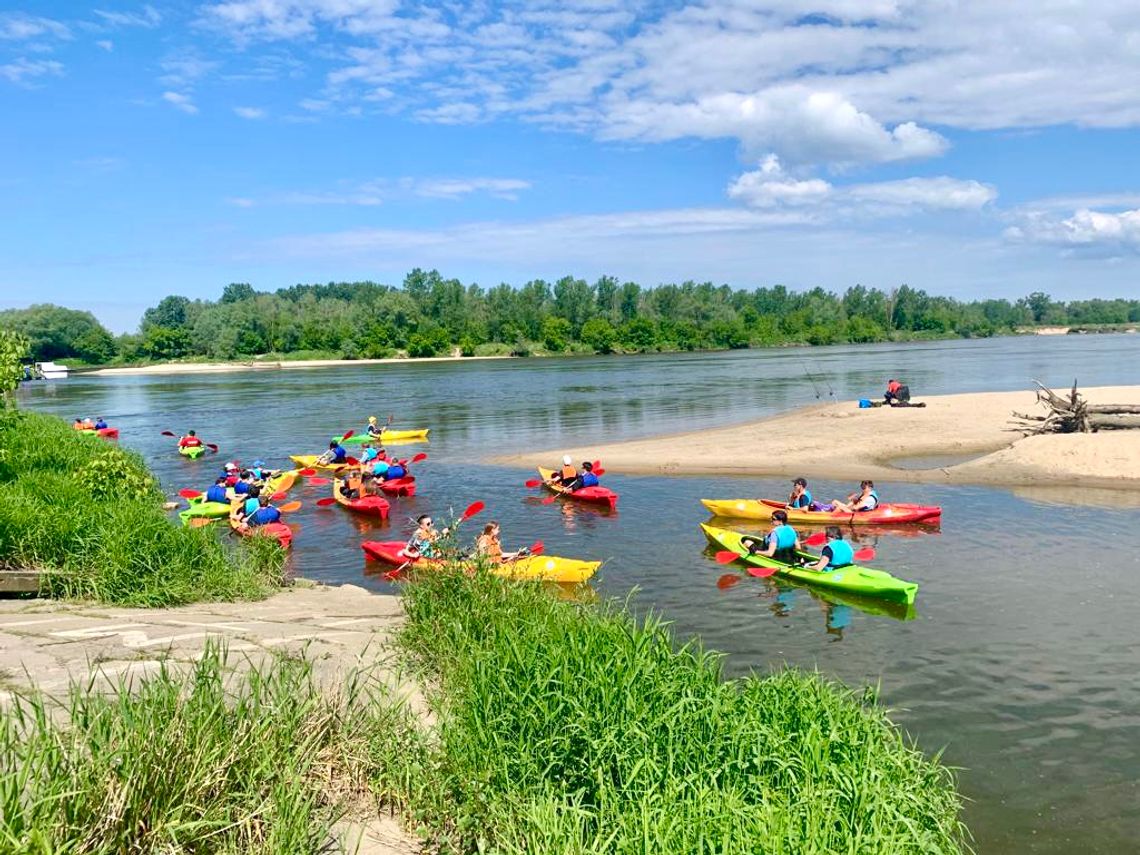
90 511
565 728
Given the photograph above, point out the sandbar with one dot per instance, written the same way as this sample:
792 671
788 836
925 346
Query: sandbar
966 436
272 365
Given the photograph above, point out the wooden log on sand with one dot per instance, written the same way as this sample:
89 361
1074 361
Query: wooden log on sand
1072 414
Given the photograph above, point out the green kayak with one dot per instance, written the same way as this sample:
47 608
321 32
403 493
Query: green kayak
209 510
863 581
192 451
397 436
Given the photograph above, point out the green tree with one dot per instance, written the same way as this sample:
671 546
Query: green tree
599 334
555 333
171 312
14 349
58 333
639 334
236 292
165 343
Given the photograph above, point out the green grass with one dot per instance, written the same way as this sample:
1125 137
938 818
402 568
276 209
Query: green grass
568 729
90 512
198 760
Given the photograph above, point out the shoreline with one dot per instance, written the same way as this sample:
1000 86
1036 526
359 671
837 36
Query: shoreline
282 365
839 441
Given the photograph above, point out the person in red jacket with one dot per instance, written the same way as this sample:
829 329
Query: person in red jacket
189 441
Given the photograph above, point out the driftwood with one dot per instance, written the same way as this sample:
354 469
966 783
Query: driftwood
1072 414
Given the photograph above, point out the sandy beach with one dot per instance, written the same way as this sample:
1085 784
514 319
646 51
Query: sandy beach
955 439
255 365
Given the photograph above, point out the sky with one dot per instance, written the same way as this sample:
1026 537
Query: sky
973 149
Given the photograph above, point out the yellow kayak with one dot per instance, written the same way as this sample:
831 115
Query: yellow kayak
420 435
545 568
281 482
893 513
309 461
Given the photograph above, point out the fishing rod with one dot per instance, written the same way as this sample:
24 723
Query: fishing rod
809 377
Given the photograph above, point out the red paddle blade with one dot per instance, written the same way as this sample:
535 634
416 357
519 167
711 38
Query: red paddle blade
169 433
347 435
307 472
533 482
419 458
864 554
537 547
599 472
212 446
352 461
292 506
727 557
597 464
816 539
472 509
277 497
326 502
189 494
727 580
319 482
551 499
762 572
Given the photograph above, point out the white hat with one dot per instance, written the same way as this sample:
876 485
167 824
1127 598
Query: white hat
566 460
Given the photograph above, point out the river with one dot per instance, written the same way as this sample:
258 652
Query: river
1020 659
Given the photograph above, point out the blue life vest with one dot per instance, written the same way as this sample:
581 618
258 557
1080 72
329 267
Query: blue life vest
250 506
370 454
875 504
589 479
241 488
841 554
264 516
395 471
339 454
380 467
217 493
803 501
100 425
784 535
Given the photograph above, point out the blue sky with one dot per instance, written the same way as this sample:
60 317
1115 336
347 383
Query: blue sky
971 149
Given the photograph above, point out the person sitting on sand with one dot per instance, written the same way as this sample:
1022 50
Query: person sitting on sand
218 493
100 424
422 543
488 545
801 495
897 393
264 515
838 552
867 499
190 440
336 455
587 478
781 543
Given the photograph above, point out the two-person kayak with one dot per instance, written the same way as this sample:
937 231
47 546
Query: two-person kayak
544 568
279 531
106 433
591 495
854 579
888 513
420 435
376 506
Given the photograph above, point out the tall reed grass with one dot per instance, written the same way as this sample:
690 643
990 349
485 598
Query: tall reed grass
197 760
569 729
90 512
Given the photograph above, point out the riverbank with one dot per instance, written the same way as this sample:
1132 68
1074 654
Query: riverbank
165 368
965 437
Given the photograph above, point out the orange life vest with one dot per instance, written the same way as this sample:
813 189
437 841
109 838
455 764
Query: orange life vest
569 472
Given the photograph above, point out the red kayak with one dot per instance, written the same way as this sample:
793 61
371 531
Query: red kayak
106 433
405 486
376 506
592 495
281 532
888 513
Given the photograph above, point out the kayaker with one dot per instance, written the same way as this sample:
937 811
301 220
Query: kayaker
264 515
77 424
100 424
866 499
217 493
335 455
587 478
246 505
231 473
380 467
781 543
488 545
838 552
422 542
88 424
244 484
190 440
566 475
394 471
368 453
801 495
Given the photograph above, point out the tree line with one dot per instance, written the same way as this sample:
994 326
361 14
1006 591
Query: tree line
429 315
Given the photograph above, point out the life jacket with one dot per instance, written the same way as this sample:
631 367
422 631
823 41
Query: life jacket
264 516
784 535
589 479
804 501
217 493
893 386
100 425
490 548
875 501
189 442
241 488
380 467
250 506
841 554
339 454
568 472
231 480
395 471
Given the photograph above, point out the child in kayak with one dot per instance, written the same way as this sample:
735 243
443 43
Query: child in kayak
838 553
566 476
422 543
587 478
801 495
864 500
394 471
190 440
488 545
217 493
77 424
247 505
264 515
100 424
335 455
374 429
781 543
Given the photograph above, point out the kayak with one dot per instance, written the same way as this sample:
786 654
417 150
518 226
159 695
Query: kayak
387 436
199 508
376 506
853 579
405 486
309 461
106 433
545 568
192 451
278 530
892 513
593 495
281 482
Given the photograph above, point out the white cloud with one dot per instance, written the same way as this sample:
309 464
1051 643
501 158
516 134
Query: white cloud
17 26
182 69
106 44
149 18
375 192
769 187
250 112
180 101
241 202
24 71
940 193
1085 229
454 188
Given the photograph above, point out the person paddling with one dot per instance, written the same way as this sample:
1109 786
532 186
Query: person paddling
100 424
866 499
218 493
422 542
335 456
566 475
801 495
394 471
489 546
587 478
78 423
838 552
374 429
190 440
781 543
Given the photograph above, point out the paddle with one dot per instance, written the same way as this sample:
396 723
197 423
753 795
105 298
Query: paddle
726 556
763 572
864 554
472 510
326 502
727 581
817 539
307 472
289 507
347 435
537 548
189 494
212 446
198 522
169 433
319 482
533 482
277 497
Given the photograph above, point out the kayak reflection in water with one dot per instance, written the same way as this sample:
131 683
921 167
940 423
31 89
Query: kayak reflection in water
781 543
865 499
